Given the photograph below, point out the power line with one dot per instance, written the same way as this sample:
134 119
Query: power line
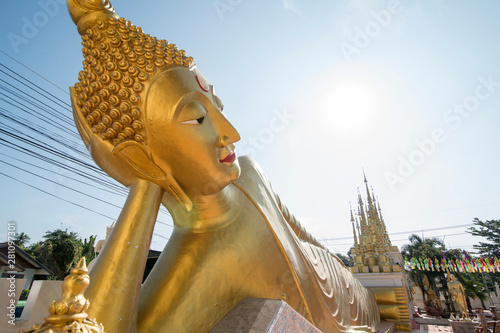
167 238
34 113
97 179
35 73
42 133
400 240
62 185
446 209
63 175
67 187
27 86
406 232
36 147
55 196
18 94
51 151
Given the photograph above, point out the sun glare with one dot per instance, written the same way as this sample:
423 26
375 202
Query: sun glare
350 105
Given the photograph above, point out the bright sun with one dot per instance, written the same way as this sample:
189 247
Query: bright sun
349 105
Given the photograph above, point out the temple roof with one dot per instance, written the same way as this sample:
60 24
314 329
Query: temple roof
23 260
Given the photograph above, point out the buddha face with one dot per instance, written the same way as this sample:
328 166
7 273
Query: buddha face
188 133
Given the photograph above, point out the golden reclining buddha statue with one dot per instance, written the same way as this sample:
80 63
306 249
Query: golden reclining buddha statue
152 122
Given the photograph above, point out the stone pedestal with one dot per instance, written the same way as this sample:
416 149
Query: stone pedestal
385 327
256 315
463 326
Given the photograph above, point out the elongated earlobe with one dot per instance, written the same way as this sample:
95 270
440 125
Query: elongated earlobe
139 159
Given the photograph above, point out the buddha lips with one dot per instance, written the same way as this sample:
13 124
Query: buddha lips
229 158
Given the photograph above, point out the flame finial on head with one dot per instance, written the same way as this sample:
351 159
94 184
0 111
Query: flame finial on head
86 13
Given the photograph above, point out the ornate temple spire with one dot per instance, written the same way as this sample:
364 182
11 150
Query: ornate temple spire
365 235
358 228
357 252
367 191
356 243
372 237
371 206
380 212
375 203
372 223
379 232
382 223
361 210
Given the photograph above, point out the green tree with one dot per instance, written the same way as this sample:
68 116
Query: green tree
59 252
88 250
347 260
490 230
423 248
21 240
32 250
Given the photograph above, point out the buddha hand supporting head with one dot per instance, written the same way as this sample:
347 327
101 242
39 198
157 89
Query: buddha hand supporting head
145 112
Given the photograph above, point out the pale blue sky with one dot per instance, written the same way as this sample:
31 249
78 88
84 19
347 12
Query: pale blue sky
317 91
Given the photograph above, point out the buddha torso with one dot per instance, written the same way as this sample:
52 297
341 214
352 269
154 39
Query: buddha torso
202 275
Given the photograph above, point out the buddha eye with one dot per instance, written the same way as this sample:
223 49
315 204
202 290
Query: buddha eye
194 113
219 103
197 121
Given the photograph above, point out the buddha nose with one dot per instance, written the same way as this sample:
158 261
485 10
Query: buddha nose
227 133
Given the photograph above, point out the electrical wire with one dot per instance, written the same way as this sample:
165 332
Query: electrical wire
55 196
64 91
48 122
405 232
65 176
27 86
62 185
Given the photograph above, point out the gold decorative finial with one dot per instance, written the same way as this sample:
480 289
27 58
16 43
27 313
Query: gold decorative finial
67 314
86 13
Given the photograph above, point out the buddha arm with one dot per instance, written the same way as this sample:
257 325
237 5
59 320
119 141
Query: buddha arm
117 275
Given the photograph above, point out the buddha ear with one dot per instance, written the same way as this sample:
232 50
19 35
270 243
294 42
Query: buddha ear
139 159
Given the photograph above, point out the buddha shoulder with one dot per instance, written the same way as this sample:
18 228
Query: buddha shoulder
252 176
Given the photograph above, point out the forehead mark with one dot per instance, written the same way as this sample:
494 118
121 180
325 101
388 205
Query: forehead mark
203 84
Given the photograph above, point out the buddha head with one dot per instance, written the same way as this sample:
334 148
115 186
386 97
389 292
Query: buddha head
144 111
